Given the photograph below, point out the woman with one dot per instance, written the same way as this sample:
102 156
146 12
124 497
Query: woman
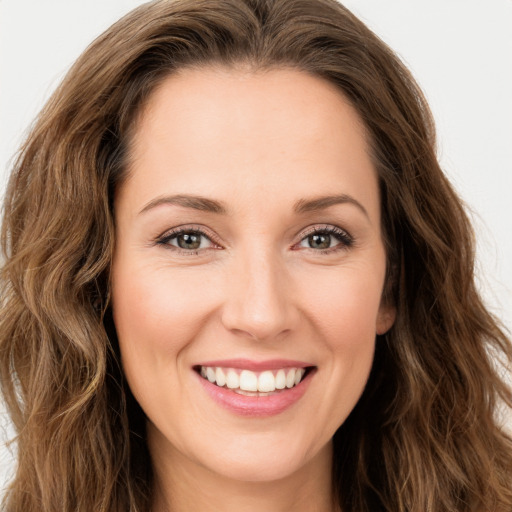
236 277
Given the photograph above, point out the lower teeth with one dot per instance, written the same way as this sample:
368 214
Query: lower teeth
254 393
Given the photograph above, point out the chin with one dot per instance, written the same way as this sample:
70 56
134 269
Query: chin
261 458
268 468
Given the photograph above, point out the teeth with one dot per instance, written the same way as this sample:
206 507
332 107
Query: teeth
280 380
266 382
298 375
210 374
248 381
220 378
232 380
251 383
290 378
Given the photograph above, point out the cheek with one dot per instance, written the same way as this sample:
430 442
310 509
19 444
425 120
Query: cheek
344 305
158 313
155 318
159 310
343 312
160 306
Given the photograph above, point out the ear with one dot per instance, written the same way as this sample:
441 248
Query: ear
385 318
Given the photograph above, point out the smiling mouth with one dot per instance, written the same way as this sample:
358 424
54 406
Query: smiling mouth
251 383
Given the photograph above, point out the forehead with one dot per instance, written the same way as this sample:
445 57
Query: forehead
286 100
281 130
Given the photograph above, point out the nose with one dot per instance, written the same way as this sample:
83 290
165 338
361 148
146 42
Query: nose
259 301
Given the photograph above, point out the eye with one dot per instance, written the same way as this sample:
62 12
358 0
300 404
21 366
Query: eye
326 239
187 240
194 240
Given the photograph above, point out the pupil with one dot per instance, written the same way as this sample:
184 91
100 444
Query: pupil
189 241
320 241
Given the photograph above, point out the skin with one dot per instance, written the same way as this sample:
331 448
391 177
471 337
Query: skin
256 288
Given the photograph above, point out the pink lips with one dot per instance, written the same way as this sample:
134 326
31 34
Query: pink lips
256 366
256 406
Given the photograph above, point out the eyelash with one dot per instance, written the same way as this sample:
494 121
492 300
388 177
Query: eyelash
346 240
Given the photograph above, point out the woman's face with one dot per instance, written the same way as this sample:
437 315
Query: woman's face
248 239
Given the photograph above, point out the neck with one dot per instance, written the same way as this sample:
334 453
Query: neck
182 485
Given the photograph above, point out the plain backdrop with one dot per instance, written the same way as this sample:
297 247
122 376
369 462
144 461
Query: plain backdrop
460 51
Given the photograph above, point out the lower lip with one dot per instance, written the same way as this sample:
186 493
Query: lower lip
256 406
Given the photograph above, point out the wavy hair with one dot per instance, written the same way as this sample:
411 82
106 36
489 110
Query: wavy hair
423 437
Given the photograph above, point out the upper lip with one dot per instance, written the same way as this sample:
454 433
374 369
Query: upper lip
257 366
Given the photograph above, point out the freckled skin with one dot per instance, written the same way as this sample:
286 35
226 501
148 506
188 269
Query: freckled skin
256 288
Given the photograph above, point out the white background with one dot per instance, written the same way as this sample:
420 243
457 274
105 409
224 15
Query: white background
460 51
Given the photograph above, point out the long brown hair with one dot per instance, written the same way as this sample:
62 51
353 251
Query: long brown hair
423 437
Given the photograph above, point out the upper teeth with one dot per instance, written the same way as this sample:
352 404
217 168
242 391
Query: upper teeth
247 380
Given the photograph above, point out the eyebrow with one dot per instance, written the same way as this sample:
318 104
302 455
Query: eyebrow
321 203
210 205
188 201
